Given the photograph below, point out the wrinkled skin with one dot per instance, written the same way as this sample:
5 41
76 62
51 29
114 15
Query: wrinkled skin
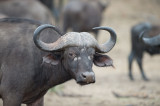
139 47
26 72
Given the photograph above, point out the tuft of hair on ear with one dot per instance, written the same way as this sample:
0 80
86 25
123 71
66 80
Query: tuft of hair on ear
113 66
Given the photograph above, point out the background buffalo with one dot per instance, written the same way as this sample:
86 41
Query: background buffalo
83 15
28 9
139 47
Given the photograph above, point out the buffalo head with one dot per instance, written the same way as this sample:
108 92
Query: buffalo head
77 52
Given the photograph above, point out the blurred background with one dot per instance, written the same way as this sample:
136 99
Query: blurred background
113 86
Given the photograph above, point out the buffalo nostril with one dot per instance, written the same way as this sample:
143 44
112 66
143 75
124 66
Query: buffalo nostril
88 76
84 76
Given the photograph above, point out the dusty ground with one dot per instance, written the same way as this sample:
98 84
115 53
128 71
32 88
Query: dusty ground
121 15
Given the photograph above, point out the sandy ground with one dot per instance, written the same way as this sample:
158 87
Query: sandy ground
121 15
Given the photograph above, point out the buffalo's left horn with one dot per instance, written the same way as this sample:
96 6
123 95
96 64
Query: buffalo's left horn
153 41
40 44
108 45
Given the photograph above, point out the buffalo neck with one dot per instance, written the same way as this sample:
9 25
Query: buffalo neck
59 75
52 75
45 77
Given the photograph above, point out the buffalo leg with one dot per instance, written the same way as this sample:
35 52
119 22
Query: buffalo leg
39 102
130 59
139 61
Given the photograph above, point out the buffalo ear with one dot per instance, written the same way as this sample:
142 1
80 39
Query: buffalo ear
51 59
102 60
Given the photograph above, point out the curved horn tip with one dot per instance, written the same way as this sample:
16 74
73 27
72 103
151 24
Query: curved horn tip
103 27
48 26
96 28
36 37
108 45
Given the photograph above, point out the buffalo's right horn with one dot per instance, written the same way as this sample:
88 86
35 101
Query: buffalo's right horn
40 44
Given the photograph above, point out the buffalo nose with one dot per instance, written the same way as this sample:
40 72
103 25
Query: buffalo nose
88 77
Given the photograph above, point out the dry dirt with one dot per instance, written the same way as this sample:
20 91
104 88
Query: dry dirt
120 15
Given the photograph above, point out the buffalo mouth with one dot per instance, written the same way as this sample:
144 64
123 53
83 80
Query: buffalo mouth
84 83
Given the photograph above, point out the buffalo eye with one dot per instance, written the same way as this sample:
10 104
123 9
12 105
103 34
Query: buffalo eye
72 55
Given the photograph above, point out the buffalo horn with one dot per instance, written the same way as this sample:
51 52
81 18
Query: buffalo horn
75 39
152 41
40 44
108 45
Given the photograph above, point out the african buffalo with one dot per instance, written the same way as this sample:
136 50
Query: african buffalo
139 46
56 10
83 15
30 65
28 9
